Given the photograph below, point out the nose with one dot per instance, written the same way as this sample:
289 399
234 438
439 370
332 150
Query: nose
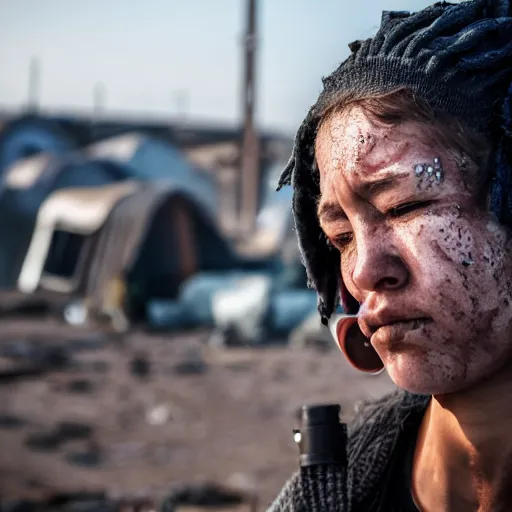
378 264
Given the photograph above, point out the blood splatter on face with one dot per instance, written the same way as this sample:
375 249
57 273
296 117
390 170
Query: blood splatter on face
431 269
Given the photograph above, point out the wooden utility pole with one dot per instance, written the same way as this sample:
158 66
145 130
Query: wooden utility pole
250 179
34 85
99 94
182 100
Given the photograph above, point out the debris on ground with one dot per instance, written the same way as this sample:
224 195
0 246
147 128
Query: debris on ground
90 458
9 421
140 366
80 502
210 496
148 413
63 432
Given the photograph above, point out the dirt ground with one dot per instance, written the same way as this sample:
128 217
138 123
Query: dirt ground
160 410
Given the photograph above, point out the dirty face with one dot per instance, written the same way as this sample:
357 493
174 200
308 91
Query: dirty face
431 269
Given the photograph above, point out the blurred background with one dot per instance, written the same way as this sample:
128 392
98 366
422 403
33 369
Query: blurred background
158 335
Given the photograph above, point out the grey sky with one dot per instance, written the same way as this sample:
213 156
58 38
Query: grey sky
146 52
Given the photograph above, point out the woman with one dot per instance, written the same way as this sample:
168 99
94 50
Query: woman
403 208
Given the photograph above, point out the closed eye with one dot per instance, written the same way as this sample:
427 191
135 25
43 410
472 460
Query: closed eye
340 241
404 209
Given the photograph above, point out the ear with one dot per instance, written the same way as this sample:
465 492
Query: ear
356 346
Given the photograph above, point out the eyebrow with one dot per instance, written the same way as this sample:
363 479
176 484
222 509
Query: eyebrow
332 212
371 189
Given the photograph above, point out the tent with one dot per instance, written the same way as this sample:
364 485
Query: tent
118 245
130 211
152 159
26 185
29 135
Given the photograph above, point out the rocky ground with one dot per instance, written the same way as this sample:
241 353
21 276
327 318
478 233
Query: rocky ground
139 415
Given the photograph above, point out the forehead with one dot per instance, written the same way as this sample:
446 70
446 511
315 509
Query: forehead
354 142
360 159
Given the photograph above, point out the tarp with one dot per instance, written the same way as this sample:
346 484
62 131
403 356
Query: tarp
22 197
30 135
27 184
155 239
154 160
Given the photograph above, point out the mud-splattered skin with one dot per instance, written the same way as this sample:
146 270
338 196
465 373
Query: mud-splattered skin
416 251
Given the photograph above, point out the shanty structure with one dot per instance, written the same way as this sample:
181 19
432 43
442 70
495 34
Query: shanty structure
154 160
212 147
114 231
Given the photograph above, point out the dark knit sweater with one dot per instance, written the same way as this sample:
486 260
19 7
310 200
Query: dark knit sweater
360 483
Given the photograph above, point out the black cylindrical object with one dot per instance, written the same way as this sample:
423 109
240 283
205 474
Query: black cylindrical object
322 438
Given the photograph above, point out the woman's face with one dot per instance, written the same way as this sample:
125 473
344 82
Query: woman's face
431 270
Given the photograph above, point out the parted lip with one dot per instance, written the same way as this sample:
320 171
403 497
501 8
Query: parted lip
370 322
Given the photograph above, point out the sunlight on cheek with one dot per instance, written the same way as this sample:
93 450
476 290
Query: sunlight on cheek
410 236
437 235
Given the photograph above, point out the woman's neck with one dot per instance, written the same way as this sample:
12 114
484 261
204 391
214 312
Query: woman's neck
463 458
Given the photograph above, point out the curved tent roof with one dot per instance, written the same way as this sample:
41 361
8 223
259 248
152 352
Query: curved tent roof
155 160
156 238
28 183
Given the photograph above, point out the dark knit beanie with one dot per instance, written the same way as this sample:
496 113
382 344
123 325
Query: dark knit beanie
455 57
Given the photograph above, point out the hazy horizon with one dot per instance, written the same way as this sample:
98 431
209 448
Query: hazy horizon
167 58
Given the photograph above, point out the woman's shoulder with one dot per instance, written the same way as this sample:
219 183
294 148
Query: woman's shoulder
372 436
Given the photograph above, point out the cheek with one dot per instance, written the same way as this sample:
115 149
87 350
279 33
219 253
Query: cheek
467 275
468 251
468 291
454 241
460 264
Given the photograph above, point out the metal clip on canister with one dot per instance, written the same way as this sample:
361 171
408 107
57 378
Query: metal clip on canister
322 438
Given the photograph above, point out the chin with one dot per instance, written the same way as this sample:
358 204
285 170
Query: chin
418 375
